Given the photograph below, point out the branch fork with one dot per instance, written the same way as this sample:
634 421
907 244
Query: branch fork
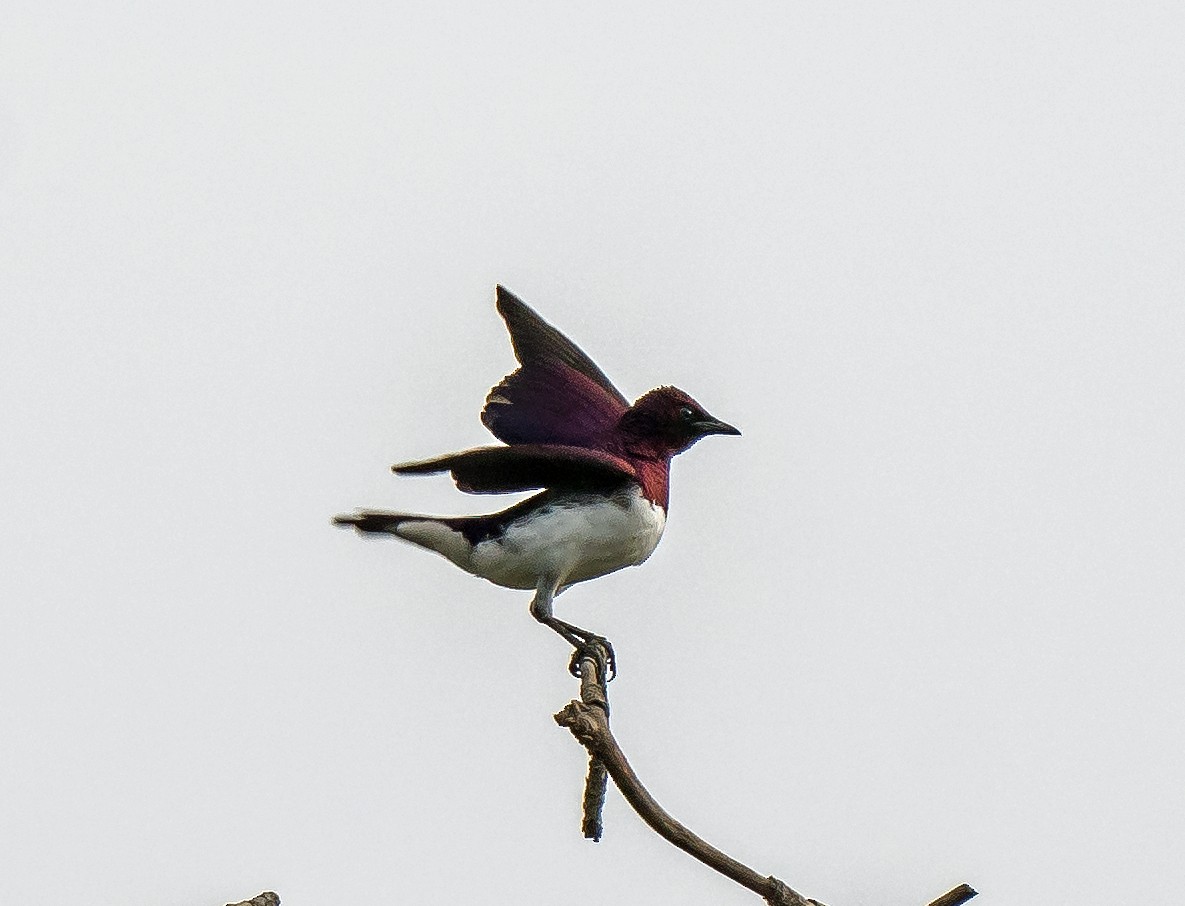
588 721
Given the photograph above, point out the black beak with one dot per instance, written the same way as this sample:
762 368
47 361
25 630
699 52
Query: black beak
714 426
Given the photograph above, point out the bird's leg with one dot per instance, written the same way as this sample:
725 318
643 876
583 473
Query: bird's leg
599 647
585 642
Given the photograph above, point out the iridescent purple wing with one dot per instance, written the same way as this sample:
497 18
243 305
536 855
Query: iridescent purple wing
526 467
558 395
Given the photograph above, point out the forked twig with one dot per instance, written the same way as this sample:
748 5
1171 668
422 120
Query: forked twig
588 719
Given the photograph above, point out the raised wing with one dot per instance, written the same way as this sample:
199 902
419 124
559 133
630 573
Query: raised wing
495 470
558 395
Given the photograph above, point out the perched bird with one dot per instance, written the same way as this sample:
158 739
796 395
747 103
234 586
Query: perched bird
602 464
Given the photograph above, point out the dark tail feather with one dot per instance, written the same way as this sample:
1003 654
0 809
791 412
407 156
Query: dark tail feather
444 535
374 521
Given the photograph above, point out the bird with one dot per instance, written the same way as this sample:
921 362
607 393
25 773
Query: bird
600 465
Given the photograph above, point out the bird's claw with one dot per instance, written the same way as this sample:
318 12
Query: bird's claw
601 651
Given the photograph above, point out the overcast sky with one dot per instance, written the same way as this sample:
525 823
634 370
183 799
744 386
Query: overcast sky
922 624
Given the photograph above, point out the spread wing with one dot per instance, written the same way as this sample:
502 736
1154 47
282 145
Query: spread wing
558 395
495 470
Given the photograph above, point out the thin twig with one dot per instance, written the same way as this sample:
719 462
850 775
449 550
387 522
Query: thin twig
594 694
956 897
589 723
595 785
588 719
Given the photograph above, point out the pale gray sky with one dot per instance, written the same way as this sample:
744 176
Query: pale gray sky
927 256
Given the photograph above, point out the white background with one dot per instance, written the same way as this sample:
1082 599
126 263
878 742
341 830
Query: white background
921 624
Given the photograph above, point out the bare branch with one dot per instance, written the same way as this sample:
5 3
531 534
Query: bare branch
594 693
588 720
595 785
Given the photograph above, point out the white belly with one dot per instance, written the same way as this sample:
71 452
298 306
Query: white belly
572 539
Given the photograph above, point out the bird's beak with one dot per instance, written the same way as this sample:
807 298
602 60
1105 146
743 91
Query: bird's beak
714 426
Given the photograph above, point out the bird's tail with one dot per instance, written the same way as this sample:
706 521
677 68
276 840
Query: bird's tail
435 534
375 522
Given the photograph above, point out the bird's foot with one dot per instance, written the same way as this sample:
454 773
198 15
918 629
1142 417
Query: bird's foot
601 651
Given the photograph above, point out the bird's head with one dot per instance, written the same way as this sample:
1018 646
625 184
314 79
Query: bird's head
667 421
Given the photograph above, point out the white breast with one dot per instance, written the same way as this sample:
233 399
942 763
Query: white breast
572 539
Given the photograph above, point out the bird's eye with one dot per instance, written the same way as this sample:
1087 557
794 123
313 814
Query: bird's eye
687 414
